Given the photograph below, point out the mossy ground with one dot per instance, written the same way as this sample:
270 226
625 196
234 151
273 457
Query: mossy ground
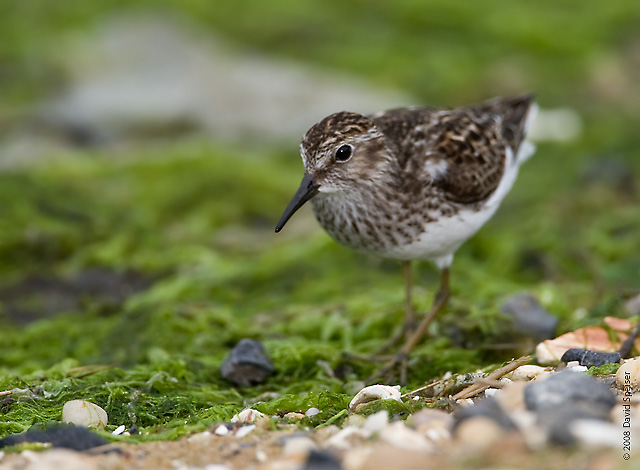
195 219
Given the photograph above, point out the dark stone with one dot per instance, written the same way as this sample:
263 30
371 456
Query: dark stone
488 408
321 460
41 296
565 388
557 420
566 397
529 318
589 358
610 171
67 436
247 364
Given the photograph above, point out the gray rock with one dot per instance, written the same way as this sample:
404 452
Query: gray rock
565 388
321 460
67 436
529 318
247 364
566 397
488 408
557 420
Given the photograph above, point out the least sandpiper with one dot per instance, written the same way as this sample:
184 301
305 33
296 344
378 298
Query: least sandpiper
413 183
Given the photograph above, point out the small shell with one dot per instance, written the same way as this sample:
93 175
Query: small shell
375 392
247 416
312 412
84 413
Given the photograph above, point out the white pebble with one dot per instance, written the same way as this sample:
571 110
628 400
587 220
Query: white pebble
595 432
376 422
490 392
628 374
216 466
399 435
245 430
526 372
247 416
84 413
221 430
312 412
375 392
574 366
119 430
301 445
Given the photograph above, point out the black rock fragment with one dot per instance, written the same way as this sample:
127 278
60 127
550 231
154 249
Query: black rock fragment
589 358
488 408
247 364
529 318
321 460
67 436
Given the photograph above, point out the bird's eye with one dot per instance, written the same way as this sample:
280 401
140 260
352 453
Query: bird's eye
344 153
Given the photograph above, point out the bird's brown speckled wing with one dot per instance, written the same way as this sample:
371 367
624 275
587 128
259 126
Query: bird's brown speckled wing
462 151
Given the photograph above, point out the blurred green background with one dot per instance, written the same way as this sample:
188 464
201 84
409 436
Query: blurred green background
148 148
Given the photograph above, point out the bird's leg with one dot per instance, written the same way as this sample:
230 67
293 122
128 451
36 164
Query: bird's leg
402 356
409 314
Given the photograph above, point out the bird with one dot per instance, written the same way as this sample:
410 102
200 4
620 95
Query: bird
413 184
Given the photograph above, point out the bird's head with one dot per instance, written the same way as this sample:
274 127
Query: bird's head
342 152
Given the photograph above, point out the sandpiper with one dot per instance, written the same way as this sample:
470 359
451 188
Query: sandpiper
413 183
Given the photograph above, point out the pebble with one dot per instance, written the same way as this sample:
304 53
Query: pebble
596 433
345 438
376 422
298 445
247 364
321 460
221 430
247 415
119 430
511 397
434 424
565 398
528 372
84 413
487 408
558 421
480 432
588 358
567 387
629 374
632 305
245 430
56 459
67 436
312 412
375 392
529 318
400 436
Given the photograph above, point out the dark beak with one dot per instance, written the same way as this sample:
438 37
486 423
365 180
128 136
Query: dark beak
308 188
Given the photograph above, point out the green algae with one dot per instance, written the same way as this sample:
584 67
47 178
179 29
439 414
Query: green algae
196 220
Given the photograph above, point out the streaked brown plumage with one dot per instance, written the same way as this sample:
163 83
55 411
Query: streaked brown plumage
412 183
